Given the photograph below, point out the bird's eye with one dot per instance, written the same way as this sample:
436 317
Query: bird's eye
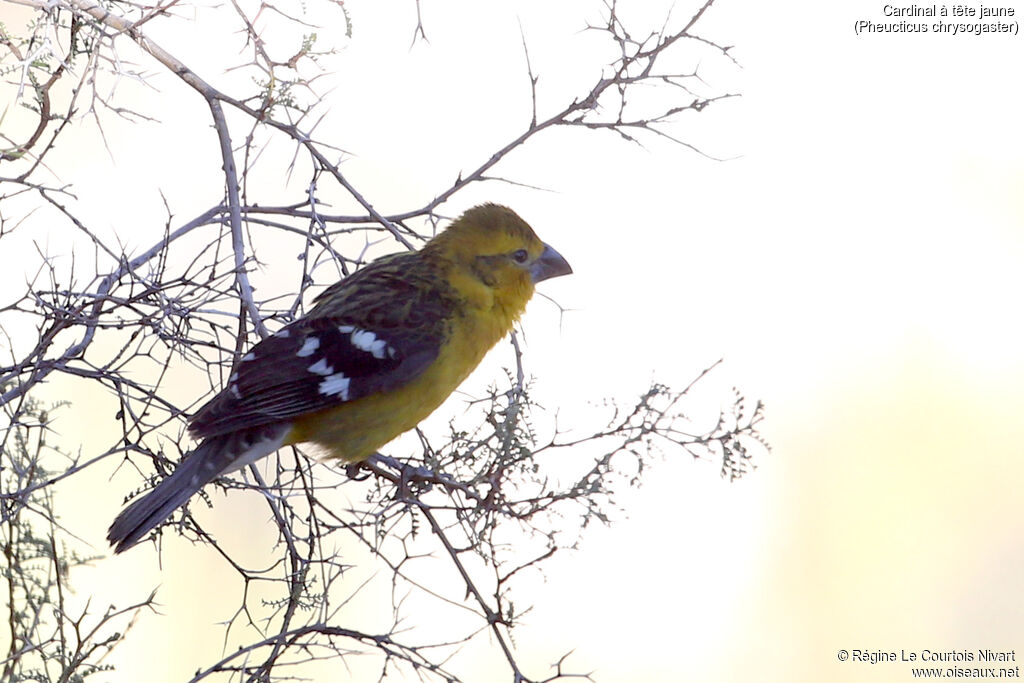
520 256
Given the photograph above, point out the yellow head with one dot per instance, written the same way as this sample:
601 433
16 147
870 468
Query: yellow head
496 258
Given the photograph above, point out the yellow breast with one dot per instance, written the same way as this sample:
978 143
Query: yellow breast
354 431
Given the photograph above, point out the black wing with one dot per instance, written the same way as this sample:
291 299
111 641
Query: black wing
373 332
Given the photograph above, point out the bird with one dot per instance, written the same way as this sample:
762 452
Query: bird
377 353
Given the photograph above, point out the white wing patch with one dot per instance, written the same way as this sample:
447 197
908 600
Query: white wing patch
309 347
233 385
335 384
321 367
367 341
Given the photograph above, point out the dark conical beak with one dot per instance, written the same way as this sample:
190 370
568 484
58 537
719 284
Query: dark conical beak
548 265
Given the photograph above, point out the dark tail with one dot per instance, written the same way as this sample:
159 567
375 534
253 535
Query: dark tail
196 469
217 455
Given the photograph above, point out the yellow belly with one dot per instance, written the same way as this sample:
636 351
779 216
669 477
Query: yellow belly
354 431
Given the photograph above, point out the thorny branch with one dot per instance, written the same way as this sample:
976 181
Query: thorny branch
490 494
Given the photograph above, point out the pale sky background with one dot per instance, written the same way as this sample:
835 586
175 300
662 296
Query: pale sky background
859 269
